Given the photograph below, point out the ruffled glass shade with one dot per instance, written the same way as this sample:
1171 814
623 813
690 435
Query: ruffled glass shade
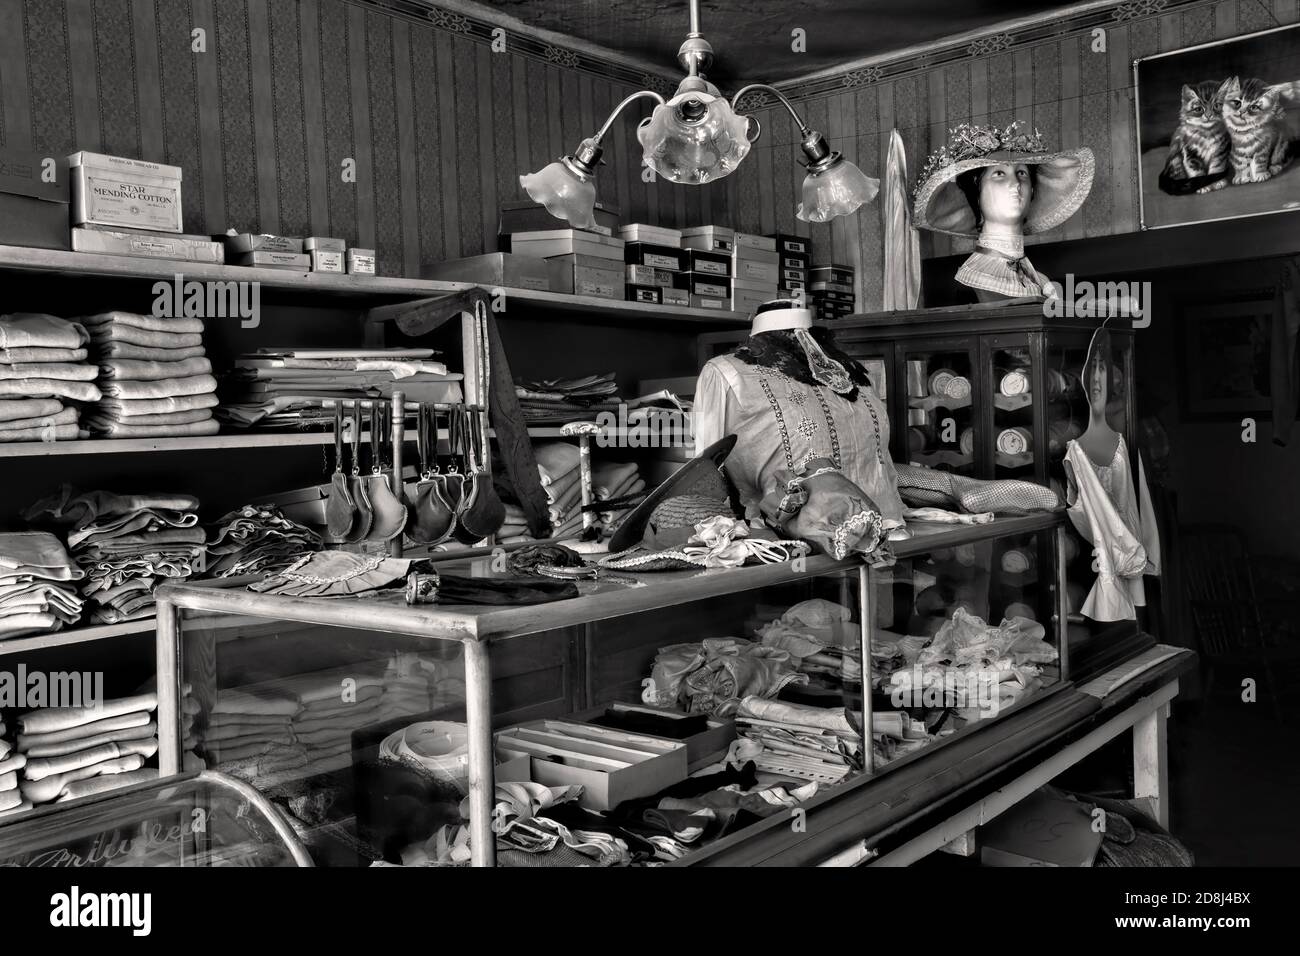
837 190
694 138
566 193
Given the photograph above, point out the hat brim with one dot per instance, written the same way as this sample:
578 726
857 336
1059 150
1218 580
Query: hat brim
632 530
1064 181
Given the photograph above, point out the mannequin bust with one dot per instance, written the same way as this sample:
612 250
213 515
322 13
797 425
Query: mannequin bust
1000 196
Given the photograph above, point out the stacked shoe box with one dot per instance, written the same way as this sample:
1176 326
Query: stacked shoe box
830 289
578 262
755 266
571 273
796 254
653 264
708 263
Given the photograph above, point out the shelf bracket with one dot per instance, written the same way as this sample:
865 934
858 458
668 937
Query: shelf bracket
421 316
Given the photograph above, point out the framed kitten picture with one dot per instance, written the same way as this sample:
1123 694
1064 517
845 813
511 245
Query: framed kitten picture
1219 130
1227 348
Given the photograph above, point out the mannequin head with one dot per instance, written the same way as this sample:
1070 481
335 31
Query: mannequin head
1000 195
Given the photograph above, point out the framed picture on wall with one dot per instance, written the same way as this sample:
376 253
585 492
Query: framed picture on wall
1219 130
1226 351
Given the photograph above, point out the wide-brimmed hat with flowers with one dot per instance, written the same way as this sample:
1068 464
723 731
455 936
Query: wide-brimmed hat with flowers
1064 178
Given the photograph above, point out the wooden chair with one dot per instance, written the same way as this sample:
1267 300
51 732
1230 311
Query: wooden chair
1231 622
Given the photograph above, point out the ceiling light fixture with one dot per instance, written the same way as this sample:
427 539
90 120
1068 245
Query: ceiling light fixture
698 137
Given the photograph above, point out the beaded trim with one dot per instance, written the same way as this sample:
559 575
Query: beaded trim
780 419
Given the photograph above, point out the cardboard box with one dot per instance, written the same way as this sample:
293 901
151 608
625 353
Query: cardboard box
528 216
586 275
792 285
156 245
709 238
548 243
743 300
788 243
324 244
757 267
274 260
116 191
646 294
654 235
246 242
721 731
832 289
840 275
361 262
648 254
707 302
1042 830
326 260
32 212
746 240
676 297
505 269
706 285
708 263
791 260
649 275
611 765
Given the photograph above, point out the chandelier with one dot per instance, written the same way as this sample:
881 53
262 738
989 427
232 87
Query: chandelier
697 137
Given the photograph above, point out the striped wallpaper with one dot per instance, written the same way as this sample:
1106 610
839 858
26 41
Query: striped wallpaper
440 126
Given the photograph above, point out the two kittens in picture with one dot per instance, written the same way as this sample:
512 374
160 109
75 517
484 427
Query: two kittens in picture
1229 133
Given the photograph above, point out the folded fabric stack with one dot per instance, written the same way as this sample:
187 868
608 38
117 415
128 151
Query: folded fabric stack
43 368
11 798
557 462
611 481
154 376
257 539
37 589
288 387
302 726
559 400
126 545
72 752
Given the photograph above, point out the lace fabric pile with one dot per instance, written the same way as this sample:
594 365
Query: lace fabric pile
257 539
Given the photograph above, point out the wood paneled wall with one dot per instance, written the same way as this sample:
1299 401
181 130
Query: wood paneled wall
440 126
1074 96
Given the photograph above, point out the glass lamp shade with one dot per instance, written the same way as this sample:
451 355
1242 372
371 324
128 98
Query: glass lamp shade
837 190
565 192
694 138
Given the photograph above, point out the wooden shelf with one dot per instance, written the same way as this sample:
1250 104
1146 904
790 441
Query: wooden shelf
117 446
99 632
65 263
588 306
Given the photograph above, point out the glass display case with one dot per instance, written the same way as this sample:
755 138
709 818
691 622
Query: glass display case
649 720
197 819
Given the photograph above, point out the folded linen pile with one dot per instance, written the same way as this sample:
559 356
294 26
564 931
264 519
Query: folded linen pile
257 539
276 387
154 377
72 752
559 400
557 463
302 726
37 584
611 481
11 798
126 545
43 369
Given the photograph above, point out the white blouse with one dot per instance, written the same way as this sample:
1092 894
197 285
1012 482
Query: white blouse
781 423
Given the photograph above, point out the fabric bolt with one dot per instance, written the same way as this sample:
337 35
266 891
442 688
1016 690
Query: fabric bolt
144 353
10 800
22 409
64 416
21 624
262 701
62 748
123 722
67 507
38 554
42 767
56 719
138 370
37 330
49 788
135 320
159 388
66 371
555 459
11 764
239 751
49 388
143 519
116 429
38 354
607 478
47 432
126 409
216 721
249 733
98 420
131 335
108 781
141 541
